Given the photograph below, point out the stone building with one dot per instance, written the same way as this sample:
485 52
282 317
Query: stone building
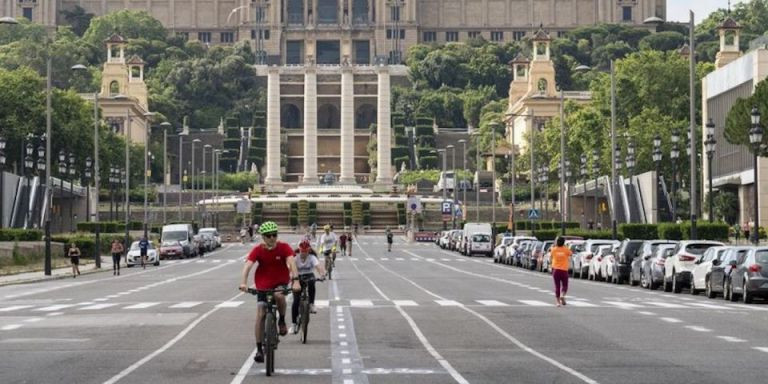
284 29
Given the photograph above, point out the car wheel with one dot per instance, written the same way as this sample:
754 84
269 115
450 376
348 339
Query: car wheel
746 297
667 285
676 288
643 281
709 292
731 295
694 291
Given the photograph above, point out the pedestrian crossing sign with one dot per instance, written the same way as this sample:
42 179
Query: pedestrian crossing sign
534 214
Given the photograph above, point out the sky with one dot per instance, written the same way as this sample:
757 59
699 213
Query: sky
677 10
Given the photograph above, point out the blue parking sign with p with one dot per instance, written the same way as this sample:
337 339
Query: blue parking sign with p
447 207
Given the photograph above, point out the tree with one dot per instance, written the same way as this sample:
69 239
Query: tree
738 122
663 41
78 19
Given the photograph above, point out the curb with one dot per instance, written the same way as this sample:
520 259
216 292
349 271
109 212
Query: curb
50 278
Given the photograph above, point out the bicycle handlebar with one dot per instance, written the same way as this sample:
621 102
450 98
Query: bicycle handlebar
254 291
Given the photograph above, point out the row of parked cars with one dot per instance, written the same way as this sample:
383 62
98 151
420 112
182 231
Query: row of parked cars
711 267
179 241
474 239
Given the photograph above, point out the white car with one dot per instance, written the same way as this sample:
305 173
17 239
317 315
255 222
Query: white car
595 269
500 252
703 269
581 260
517 241
444 240
134 255
214 232
608 259
679 266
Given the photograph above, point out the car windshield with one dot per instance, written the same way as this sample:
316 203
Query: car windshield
632 247
174 236
761 257
577 247
207 232
481 238
698 249
135 246
664 250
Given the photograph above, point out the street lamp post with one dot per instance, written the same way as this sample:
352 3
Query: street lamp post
112 184
583 173
443 151
463 180
674 155
165 126
657 155
566 194
493 180
71 191
562 161
756 139
595 170
204 173
194 202
711 145
453 192
2 180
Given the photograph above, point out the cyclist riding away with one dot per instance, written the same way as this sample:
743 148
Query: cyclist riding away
143 249
306 264
275 267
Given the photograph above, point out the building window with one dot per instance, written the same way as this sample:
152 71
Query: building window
328 52
27 12
360 11
264 34
227 37
430 36
518 35
497 36
392 32
362 51
626 13
327 12
204 37
452 36
474 34
395 13
295 11
293 51
561 33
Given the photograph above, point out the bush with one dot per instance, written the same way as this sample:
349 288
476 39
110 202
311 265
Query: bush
640 231
428 162
425 131
17 234
670 231
86 243
402 160
603 235
104 227
706 231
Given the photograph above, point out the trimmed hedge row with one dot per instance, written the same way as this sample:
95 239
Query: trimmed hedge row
544 225
104 227
17 234
640 231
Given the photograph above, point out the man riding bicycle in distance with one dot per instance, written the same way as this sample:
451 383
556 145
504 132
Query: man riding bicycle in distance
306 264
275 267
328 242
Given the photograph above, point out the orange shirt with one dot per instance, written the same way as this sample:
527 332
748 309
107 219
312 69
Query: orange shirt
561 257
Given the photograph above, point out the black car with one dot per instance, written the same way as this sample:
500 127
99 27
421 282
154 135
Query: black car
623 260
749 278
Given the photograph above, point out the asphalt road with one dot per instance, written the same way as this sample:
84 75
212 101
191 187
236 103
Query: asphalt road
415 315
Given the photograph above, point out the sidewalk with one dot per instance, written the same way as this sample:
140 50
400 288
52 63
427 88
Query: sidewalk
56 274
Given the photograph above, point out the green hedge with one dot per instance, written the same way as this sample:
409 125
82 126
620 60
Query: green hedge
713 231
104 227
17 234
402 160
640 231
545 225
399 152
428 162
670 231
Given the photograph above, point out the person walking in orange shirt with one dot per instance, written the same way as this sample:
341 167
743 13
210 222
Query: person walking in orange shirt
561 257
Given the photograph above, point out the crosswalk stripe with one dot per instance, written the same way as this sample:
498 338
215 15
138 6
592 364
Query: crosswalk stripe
399 259
230 304
141 305
578 303
361 303
353 258
414 259
216 261
404 303
369 258
623 305
448 303
186 304
54 307
322 303
492 303
201 261
15 308
535 303
445 259
666 305
385 258
710 306
97 306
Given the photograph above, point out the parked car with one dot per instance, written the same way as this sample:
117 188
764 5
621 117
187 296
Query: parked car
456 234
644 254
653 266
575 246
133 257
522 252
473 244
678 267
624 256
213 232
516 247
719 276
702 272
445 239
500 252
581 259
749 279
209 242
543 256
594 270
182 235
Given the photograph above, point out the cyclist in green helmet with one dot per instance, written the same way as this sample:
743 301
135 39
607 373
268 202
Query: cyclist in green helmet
275 267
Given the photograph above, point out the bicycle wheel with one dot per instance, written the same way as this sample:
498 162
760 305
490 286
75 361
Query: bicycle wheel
270 341
329 267
304 320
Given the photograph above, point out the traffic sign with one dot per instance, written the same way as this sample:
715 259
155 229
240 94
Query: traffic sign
243 206
534 214
414 204
446 208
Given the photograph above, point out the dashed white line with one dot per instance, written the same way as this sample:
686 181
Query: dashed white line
671 320
732 339
10 327
698 328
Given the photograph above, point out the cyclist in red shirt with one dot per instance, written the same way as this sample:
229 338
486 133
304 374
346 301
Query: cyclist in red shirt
275 267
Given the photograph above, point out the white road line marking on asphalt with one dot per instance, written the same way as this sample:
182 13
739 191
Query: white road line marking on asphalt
97 306
33 320
200 261
385 258
230 304
15 308
414 259
186 304
361 303
399 258
580 303
750 307
348 381
169 344
710 306
343 344
141 305
732 339
345 360
666 305
448 303
321 303
404 303
343 335
671 320
428 259
535 303
492 303
346 371
761 349
646 313
342 327
698 328
338 309
623 305
55 314
369 259
54 307
353 258
10 327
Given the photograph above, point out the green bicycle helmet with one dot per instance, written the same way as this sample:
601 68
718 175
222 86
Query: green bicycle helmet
268 227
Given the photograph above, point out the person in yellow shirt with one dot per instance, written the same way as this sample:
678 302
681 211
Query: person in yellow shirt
561 257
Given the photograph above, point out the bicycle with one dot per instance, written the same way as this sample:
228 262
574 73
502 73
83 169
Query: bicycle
330 262
304 311
271 338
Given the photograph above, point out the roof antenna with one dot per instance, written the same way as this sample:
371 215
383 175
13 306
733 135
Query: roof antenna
729 7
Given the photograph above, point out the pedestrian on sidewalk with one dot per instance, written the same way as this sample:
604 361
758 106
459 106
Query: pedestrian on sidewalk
74 258
117 254
390 237
561 255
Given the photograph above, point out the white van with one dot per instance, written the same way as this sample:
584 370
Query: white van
446 181
477 239
177 241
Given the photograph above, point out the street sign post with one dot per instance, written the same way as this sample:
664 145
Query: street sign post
534 214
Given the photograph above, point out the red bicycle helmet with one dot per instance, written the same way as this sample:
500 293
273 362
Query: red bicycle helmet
304 246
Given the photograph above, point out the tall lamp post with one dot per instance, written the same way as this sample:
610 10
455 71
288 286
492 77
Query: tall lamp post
451 148
565 192
756 139
674 154
71 190
442 151
657 156
711 145
165 126
2 180
596 172
204 173
583 173
193 174
463 179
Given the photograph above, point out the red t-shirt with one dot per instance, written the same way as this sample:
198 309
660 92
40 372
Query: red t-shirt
272 269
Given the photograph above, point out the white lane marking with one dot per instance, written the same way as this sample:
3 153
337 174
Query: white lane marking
414 259
399 258
141 305
322 303
186 304
243 372
216 261
342 327
646 313
54 307
404 303
732 339
15 308
698 328
623 305
361 303
671 320
448 303
33 320
761 349
353 258
349 381
100 299
167 345
369 259
666 305
345 360
10 327
535 303
580 303
230 304
346 371
385 258
750 307
97 306
86 303
55 314
710 306
492 303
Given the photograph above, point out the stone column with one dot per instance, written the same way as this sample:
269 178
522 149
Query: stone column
310 126
383 129
273 127
347 127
